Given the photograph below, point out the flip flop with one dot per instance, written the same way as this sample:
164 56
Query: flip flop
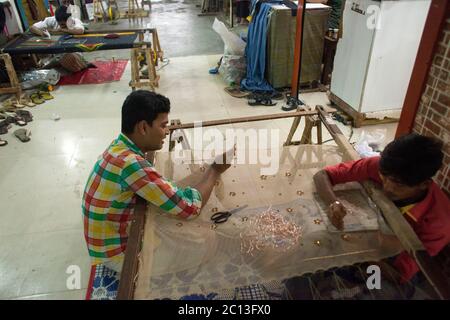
3 143
8 105
45 95
35 97
27 101
261 102
26 115
7 117
23 135
4 126
260 99
20 121
277 95
236 92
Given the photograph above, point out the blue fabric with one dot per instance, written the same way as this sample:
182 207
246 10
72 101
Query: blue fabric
255 51
105 284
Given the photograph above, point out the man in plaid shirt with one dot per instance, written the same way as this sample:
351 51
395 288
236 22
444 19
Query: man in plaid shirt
122 174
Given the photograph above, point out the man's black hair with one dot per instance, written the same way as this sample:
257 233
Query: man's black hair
61 14
142 105
411 159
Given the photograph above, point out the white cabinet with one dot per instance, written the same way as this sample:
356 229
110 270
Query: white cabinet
375 57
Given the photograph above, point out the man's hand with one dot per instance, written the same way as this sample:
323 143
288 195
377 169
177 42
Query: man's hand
220 168
223 162
336 213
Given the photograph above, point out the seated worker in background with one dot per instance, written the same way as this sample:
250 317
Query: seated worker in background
122 174
404 170
63 22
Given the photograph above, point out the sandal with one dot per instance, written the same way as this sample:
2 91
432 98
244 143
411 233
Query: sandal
4 126
236 92
8 105
45 95
18 104
27 101
23 134
36 98
277 95
260 99
26 115
9 119
18 120
3 143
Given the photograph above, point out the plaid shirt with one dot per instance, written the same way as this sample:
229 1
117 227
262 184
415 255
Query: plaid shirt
119 176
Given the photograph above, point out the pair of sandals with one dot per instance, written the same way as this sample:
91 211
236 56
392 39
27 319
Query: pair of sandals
264 98
39 97
22 134
21 118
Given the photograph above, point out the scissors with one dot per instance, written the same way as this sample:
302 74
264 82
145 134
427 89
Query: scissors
222 216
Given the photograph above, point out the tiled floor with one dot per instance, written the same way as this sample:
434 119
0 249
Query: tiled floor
42 181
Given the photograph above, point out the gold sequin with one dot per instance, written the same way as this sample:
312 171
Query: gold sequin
318 221
214 226
317 243
232 194
244 219
263 177
299 192
290 210
179 224
288 174
214 209
202 169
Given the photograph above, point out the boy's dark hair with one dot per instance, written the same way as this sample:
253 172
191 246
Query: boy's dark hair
411 159
61 14
142 105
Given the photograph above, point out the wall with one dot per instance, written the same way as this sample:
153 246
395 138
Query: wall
433 116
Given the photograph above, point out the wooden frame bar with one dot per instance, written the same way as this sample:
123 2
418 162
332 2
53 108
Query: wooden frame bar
130 266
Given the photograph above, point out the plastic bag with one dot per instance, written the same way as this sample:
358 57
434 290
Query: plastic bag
233 69
32 79
233 44
370 143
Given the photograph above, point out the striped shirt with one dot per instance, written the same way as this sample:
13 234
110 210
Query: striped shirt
120 175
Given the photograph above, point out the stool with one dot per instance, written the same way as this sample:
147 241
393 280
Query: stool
14 85
99 11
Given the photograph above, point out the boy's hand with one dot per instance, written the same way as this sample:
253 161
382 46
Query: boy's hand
336 213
